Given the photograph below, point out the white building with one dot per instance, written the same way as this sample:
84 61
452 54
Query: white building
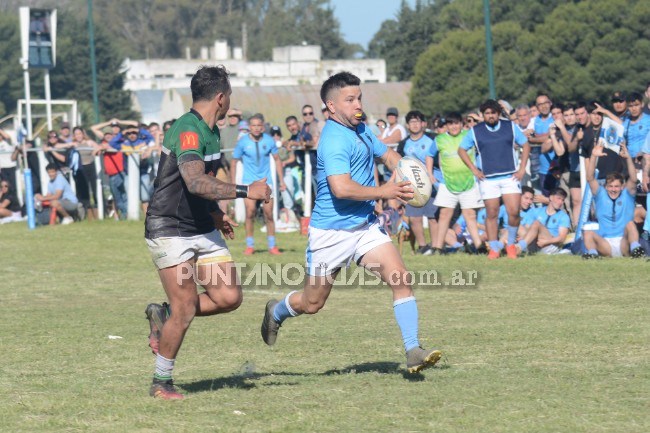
292 65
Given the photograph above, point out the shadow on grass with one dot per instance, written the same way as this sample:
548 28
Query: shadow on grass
245 380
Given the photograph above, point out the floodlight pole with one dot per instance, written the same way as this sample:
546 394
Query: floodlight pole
93 65
488 48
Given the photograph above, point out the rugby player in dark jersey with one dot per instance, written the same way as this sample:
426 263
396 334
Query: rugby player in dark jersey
183 225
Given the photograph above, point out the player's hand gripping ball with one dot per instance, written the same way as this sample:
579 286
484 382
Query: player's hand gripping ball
412 169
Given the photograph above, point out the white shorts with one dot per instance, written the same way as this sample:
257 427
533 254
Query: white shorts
470 199
550 249
615 245
205 249
330 250
499 187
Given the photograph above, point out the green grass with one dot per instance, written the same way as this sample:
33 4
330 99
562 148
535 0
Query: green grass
543 344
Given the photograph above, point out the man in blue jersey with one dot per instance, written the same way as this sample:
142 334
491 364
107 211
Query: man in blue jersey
254 150
614 204
417 145
549 226
343 227
500 175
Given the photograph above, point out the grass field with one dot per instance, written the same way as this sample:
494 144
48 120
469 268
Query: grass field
543 344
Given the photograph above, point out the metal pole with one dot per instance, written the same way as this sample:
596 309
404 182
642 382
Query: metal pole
93 65
48 100
488 48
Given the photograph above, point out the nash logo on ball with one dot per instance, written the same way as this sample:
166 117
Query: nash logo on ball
417 175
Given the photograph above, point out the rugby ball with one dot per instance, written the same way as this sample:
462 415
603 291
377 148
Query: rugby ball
412 170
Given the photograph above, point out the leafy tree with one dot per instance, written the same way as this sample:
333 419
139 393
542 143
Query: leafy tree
11 73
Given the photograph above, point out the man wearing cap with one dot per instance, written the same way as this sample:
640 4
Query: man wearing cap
64 133
619 105
394 132
500 175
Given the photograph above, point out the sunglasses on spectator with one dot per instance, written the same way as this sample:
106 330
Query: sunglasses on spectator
131 132
308 113
52 136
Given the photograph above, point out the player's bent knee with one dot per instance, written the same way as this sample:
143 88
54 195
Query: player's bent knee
231 300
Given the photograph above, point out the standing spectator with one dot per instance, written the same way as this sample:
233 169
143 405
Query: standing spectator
59 194
64 133
500 174
290 166
394 132
229 136
87 193
614 205
619 105
636 124
417 145
565 145
7 163
381 127
458 185
254 151
587 137
9 204
114 169
326 115
310 134
132 139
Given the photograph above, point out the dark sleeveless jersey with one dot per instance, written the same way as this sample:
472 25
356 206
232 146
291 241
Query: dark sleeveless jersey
173 210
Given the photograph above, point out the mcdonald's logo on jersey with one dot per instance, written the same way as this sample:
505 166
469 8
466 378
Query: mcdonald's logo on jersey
189 140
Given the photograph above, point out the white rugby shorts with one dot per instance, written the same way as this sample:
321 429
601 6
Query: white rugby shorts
498 187
206 249
470 199
615 245
330 250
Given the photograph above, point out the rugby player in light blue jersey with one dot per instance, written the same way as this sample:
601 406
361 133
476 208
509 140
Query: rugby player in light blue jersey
343 227
614 203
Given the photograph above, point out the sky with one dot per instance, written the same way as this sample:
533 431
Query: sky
374 12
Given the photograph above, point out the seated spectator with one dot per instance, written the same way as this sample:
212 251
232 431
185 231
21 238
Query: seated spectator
549 228
617 234
7 163
9 204
134 138
59 194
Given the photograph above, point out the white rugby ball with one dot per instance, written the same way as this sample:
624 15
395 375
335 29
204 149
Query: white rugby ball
412 169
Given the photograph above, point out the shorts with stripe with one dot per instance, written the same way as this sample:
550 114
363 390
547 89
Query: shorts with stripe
205 249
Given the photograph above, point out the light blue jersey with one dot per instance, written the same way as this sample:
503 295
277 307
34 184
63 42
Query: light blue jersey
560 219
60 184
343 150
636 133
255 156
502 218
613 215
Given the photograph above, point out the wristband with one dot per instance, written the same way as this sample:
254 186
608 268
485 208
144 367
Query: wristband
241 191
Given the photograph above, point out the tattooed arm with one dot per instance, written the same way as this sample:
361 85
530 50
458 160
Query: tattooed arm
211 188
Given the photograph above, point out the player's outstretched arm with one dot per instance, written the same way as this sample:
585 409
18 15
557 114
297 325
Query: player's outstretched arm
390 159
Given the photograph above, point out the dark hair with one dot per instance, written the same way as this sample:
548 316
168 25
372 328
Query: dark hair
558 191
633 97
526 188
51 166
336 82
305 106
492 104
153 124
558 105
168 124
591 106
581 104
290 118
454 117
208 82
614 176
414 114
568 107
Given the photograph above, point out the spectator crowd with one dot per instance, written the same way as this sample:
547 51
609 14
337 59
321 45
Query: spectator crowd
507 180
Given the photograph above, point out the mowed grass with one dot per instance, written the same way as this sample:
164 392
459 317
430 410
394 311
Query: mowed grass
542 344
